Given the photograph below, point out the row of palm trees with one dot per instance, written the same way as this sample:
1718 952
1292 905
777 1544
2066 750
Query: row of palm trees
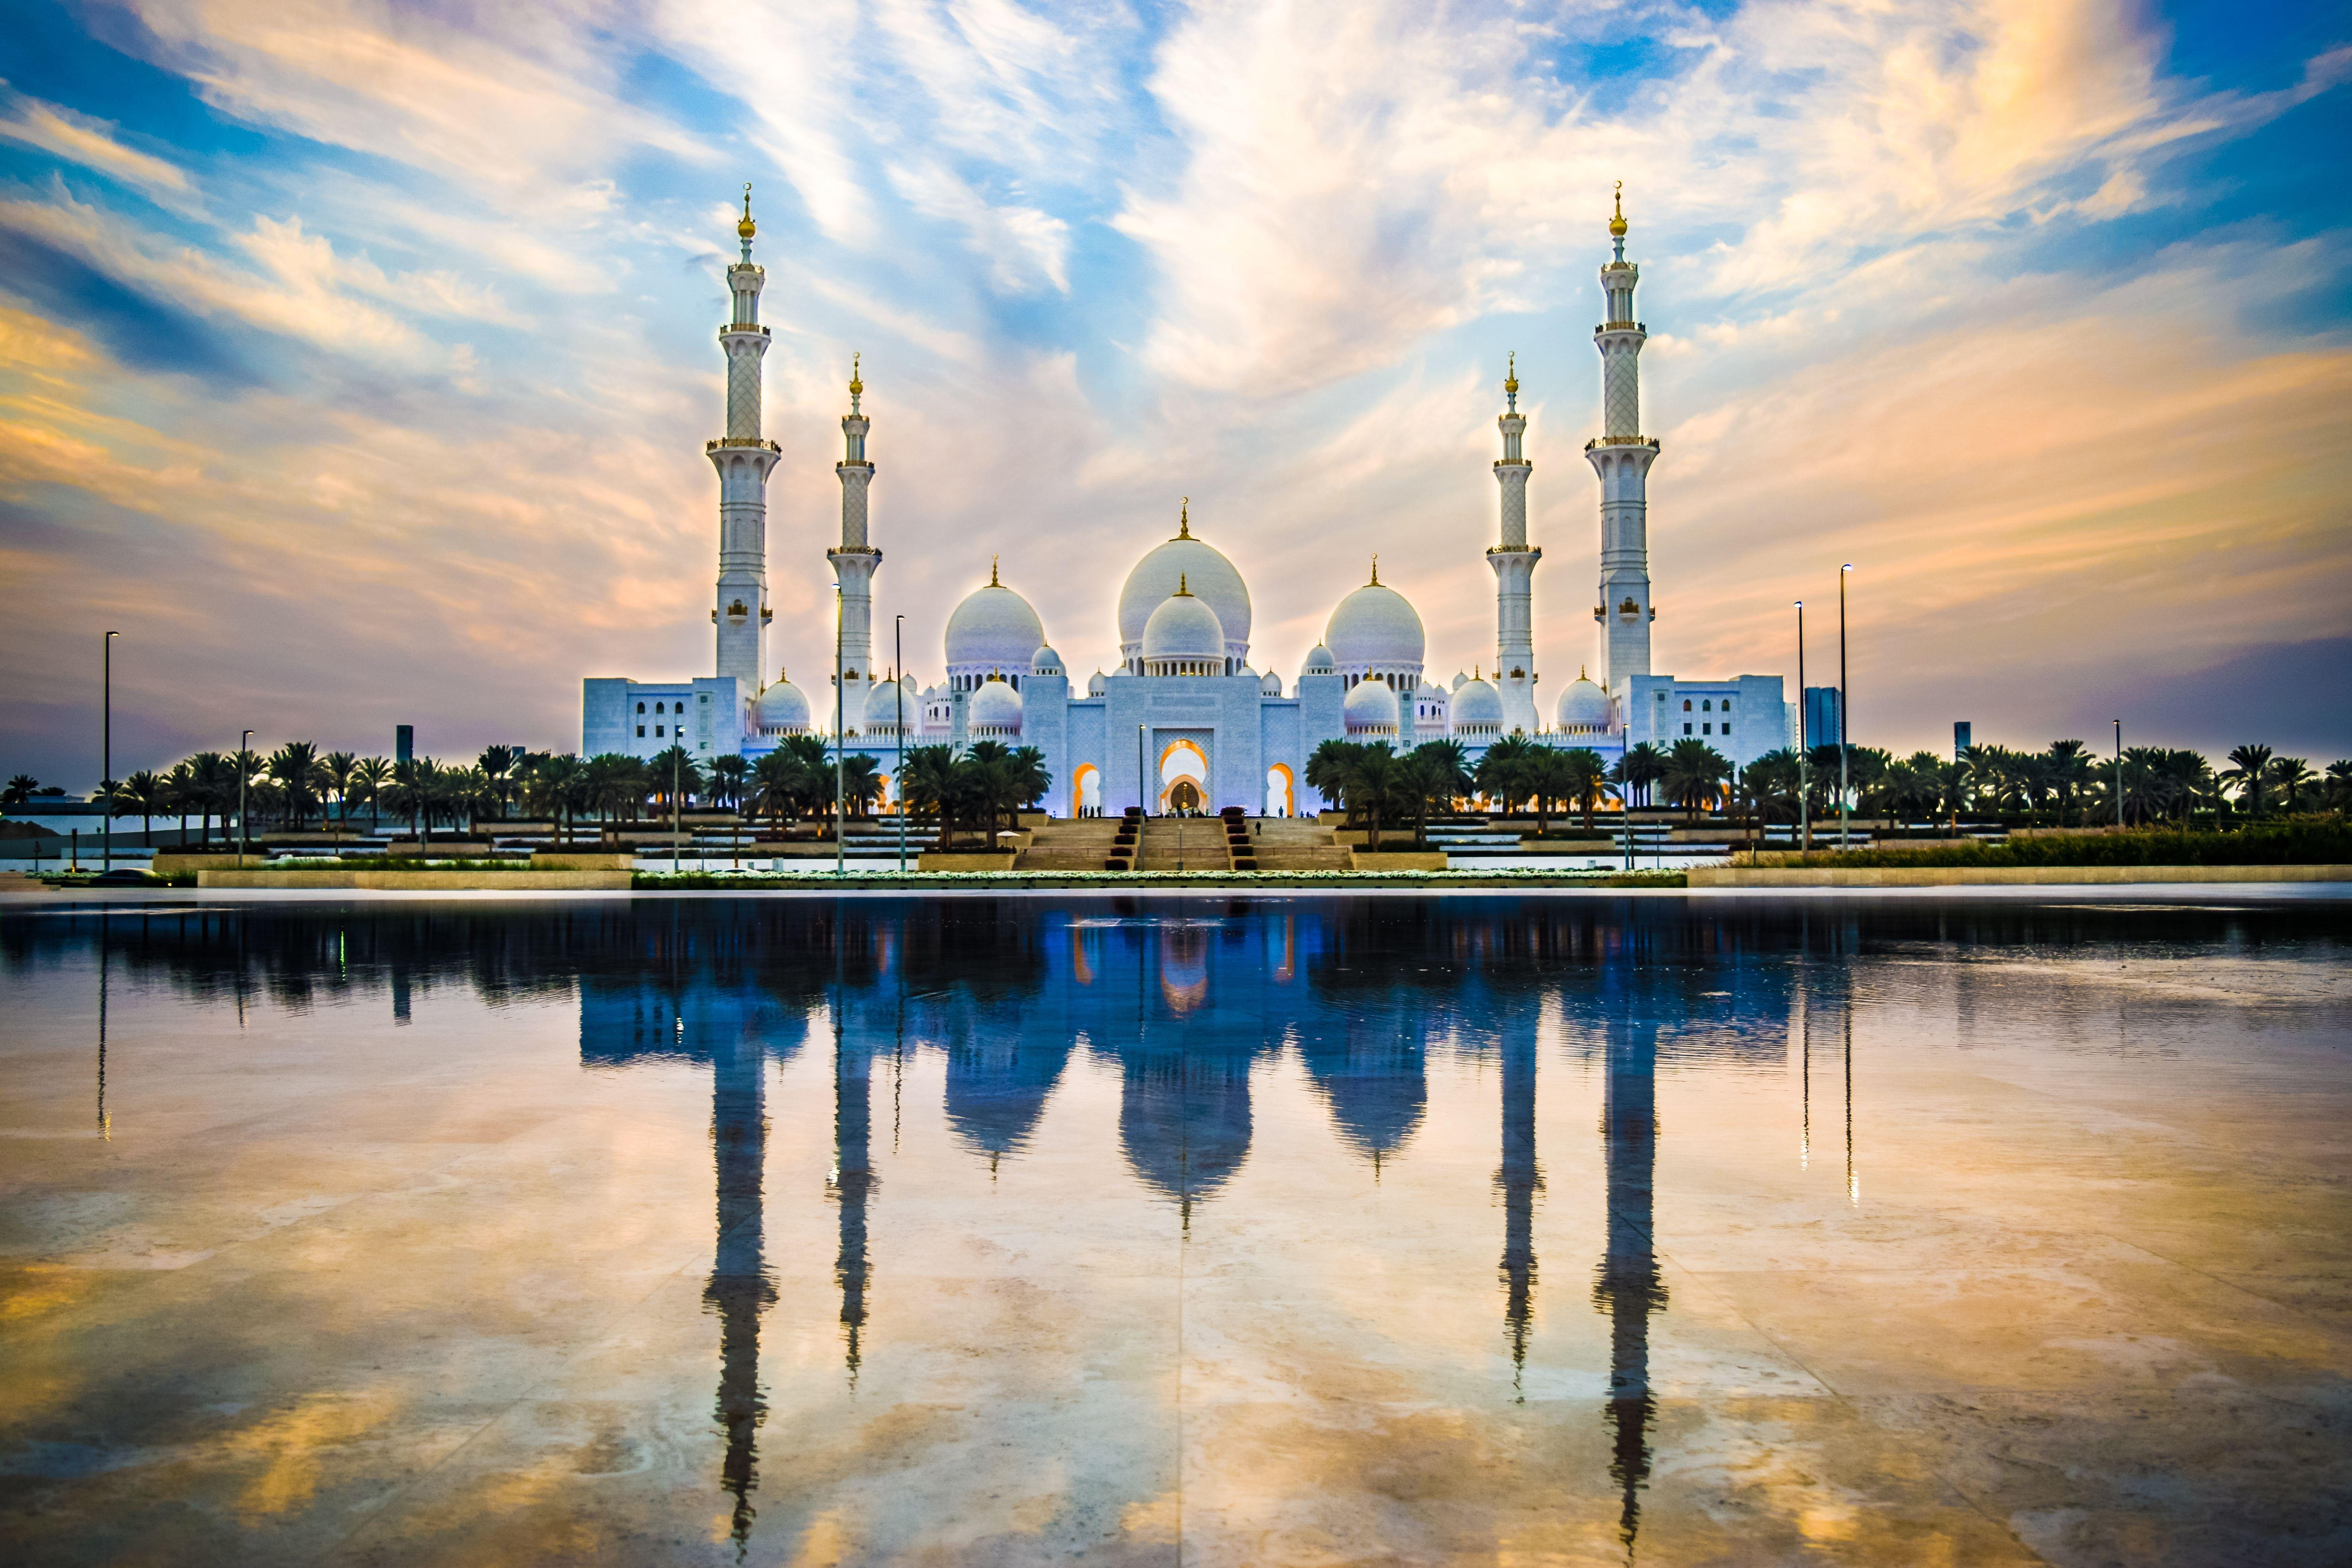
295 785
1377 785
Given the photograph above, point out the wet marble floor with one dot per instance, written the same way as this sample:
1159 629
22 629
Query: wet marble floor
1483 1231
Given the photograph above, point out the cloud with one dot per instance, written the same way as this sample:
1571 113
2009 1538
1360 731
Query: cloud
80 139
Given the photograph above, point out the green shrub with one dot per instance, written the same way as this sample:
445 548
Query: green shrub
2297 841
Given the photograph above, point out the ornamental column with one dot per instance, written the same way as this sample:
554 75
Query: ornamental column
1622 456
743 460
855 562
1515 569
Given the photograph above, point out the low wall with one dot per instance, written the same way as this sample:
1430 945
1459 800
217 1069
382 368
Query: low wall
972 862
1399 860
170 865
2001 876
422 882
569 861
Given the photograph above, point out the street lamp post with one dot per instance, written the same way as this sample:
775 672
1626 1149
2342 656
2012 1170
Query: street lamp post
1142 801
1844 729
243 772
899 758
106 761
2119 772
1804 749
676 807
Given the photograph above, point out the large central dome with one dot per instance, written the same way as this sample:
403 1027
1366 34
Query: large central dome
992 631
1184 560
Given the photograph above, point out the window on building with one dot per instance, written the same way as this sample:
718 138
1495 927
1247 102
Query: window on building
1727 726
658 728
641 707
1686 728
1686 709
1706 706
641 729
1726 705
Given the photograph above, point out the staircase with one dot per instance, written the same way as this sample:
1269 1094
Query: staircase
1230 842
1185 843
1293 844
1086 844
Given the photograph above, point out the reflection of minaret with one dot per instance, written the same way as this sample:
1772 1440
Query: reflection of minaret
739 1289
1629 1289
1519 1180
852 1185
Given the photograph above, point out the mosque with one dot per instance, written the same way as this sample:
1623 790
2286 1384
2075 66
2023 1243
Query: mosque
1186 722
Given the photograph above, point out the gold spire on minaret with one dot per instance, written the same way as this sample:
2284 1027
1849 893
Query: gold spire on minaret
1182 590
1376 571
855 385
1617 223
1184 520
991 573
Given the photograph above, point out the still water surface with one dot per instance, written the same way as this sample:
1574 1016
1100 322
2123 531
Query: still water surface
1275 1231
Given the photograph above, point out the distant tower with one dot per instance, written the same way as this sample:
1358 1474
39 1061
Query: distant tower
743 460
1622 456
854 563
1514 570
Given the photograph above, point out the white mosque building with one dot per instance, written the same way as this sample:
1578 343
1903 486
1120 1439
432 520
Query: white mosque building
1186 722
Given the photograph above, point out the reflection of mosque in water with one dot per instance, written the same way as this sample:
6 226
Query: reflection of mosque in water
1187 1006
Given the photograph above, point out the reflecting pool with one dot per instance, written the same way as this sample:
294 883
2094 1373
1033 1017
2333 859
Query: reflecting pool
1275 1231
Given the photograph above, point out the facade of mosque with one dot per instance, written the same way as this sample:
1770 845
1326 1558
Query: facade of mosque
1185 721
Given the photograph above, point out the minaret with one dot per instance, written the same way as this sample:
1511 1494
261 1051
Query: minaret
743 460
1621 456
1514 570
854 563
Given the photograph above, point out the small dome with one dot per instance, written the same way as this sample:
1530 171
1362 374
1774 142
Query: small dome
1271 685
995 710
882 706
1583 707
1318 662
993 629
1460 680
1477 709
1184 628
1045 662
1095 684
783 707
1372 708
1375 626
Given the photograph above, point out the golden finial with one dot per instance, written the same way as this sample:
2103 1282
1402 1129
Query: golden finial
1617 223
856 386
1511 376
747 228
1182 590
1184 520
991 573
1376 571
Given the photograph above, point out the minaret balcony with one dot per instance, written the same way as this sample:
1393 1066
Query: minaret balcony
743 327
1606 327
752 443
1600 441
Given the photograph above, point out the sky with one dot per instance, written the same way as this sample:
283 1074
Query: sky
355 359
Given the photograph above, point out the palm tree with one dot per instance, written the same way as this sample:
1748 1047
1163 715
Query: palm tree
2292 776
861 780
1326 770
1028 776
369 776
1444 772
931 784
1508 772
212 785
181 782
2070 773
2250 770
777 785
295 766
1694 774
727 775
336 770
410 794
1584 779
556 787
146 793
2339 785
20 790
498 767
1373 778
1640 767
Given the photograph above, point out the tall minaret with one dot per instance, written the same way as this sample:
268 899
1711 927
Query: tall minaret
854 563
743 460
1621 456
1515 569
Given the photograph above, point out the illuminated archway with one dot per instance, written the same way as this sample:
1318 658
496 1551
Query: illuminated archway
1086 789
1281 792
1183 760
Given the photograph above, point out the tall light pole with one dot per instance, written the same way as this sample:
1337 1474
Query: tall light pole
898 759
1804 750
840 762
243 772
1842 728
2119 772
106 761
1142 801
676 807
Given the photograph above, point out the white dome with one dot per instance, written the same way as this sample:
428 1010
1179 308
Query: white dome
1271 685
1045 662
995 708
783 705
1582 707
1374 626
1095 684
1319 661
1183 627
882 706
993 629
1372 708
1212 578
1478 708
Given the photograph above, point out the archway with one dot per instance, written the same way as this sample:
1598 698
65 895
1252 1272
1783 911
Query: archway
1086 789
1183 760
1183 796
1281 792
